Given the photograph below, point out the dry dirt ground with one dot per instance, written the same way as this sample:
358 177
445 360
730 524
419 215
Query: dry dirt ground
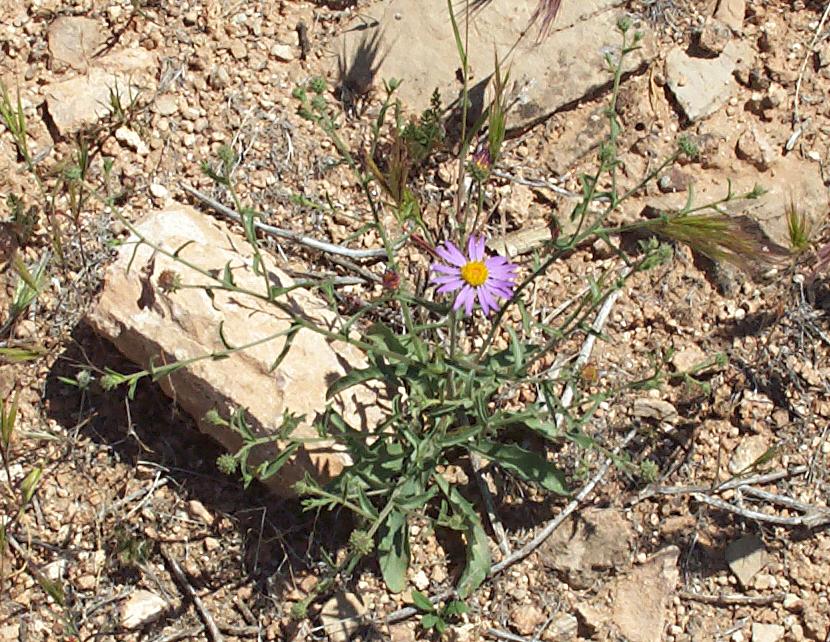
130 489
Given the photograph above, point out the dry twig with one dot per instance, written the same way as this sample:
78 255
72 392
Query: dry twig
813 519
181 579
279 232
732 600
483 478
807 55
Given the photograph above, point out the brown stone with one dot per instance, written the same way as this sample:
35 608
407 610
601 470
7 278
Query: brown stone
596 541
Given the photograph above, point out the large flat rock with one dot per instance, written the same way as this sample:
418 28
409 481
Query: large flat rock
412 40
146 323
82 100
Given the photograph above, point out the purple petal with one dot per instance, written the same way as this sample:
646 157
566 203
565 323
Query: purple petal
446 269
475 247
470 302
451 254
449 278
500 290
465 298
486 299
452 286
500 263
501 273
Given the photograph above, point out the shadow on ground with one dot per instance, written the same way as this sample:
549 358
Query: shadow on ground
278 540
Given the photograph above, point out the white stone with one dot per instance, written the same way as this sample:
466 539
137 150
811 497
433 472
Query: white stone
767 632
132 140
159 191
141 608
283 53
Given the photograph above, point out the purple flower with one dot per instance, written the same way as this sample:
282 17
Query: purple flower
475 275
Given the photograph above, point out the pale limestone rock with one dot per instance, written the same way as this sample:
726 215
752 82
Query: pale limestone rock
789 179
767 632
74 40
749 450
146 323
85 99
525 618
548 75
688 358
641 598
283 53
635 605
731 13
132 140
166 105
141 608
656 409
197 509
702 85
754 147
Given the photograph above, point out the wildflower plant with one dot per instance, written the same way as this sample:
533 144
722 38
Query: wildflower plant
442 337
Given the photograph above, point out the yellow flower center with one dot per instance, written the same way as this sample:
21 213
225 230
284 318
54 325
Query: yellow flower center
474 273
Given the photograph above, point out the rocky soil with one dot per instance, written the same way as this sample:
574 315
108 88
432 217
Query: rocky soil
149 541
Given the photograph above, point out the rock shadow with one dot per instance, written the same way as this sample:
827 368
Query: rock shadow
149 431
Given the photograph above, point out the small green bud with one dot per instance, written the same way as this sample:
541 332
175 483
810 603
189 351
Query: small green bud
299 93
226 464
688 147
649 471
84 378
361 542
624 24
317 85
299 611
319 103
111 381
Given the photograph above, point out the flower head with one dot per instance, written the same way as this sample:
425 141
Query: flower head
475 275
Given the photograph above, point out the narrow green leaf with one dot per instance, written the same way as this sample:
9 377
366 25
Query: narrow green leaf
393 551
478 559
20 354
270 468
29 484
353 378
421 602
386 338
524 464
429 620
289 340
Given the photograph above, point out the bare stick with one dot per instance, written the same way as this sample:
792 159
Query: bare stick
818 517
807 55
181 578
732 600
588 346
552 525
279 232
505 635
732 484
498 528
781 500
184 634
